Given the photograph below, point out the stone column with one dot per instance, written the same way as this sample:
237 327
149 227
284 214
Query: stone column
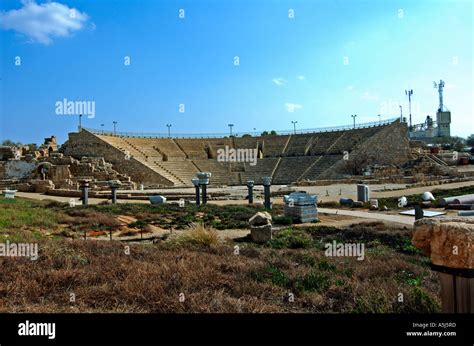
449 241
203 182
195 182
114 185
85 191
250 189
267 182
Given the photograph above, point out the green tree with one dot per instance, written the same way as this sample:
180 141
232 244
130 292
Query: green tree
470 140
453 142
10 143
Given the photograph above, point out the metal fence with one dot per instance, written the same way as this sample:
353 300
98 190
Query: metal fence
240 134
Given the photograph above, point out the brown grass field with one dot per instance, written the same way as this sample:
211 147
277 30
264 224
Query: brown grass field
195 272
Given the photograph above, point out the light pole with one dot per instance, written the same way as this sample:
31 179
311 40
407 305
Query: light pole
230 128
169 131
409 93
294 126
354 117
115 124
401 113
102 127
80 122
380 119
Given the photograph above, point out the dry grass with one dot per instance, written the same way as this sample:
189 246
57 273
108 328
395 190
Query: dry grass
199 235
104 278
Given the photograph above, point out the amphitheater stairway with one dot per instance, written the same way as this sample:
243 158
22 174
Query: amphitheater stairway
140 156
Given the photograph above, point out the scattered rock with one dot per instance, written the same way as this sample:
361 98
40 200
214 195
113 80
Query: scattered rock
261 227
260 219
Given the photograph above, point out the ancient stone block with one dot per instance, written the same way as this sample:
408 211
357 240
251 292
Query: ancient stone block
42 186
301 206
261 234
448 241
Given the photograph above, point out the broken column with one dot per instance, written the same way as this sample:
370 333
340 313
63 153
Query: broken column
250 190
195 182
261 227
84 186
114 185
203 182
267 182
301 207
449 241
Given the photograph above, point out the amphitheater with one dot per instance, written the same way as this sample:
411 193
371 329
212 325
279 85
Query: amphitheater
289 158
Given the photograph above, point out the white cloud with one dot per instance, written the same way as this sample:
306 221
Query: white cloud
369 97
301 77
43 22
279 81
291 107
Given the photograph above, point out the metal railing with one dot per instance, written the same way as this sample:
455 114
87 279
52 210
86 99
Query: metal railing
240 134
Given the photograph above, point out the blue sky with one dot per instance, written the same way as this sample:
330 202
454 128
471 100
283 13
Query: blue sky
333 59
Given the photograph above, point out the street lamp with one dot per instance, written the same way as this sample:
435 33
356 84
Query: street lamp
115 124
380 119
294 126
102 127
80 122
401 113
169 127
354 117
409 93
230 128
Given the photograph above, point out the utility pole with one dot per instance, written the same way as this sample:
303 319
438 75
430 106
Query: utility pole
354 117
294 126
169 131
230 128
380 119
115 124
409 93
102 127
401 113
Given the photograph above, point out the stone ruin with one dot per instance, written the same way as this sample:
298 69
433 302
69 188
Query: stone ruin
301 207
46 169
261 227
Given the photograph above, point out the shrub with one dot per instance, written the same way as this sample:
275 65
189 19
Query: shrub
271 273
199 235
283 220
291 239
313 282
